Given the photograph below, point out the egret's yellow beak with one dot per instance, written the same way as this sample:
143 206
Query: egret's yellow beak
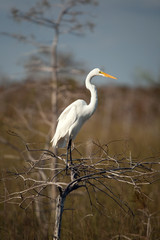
107 75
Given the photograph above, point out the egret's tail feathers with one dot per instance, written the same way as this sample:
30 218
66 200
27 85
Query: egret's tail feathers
54 143
59 143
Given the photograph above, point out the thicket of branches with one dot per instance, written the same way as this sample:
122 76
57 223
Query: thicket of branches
91 173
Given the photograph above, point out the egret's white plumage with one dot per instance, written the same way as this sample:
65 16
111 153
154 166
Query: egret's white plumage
74 116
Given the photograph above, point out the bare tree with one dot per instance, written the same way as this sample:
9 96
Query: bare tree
91 173
67 19
64 17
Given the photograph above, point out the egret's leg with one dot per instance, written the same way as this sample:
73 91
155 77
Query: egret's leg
67 155
69 152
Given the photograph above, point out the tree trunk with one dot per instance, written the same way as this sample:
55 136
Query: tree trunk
58 216
54 103
54 81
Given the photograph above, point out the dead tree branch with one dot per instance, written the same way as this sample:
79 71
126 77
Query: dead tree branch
88 173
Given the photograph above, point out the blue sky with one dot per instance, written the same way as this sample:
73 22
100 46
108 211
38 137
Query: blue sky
126 38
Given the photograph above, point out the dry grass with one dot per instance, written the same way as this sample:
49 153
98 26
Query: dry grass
129 126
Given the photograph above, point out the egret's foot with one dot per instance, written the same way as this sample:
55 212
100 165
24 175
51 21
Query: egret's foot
71 160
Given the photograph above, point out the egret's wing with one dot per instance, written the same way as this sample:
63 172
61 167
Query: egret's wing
67 111
65 121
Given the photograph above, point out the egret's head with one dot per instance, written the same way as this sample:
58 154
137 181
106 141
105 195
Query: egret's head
98 72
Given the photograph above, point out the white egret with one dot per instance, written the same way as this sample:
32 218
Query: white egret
76 114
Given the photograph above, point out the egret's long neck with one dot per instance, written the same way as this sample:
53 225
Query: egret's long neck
94 97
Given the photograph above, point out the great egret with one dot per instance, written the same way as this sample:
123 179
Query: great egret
76 114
